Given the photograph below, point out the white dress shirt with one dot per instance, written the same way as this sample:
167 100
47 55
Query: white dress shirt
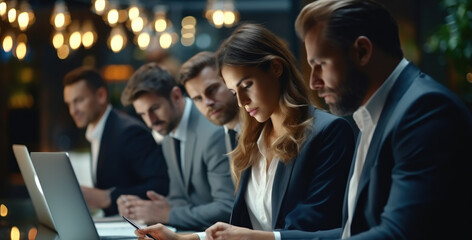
258 195
181 131
259 189
94 135
366 118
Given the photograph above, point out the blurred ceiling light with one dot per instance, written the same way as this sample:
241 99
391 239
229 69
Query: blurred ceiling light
3 9
89 35
133 10
26 16
15 233
7 42
189 22
75 37
99 6
160 18
218 18
12 12
21 50
165 40
60 17
117 39
188 40
221 13
143 40
137 24
63 51
58 40
32 233
3 210
112 16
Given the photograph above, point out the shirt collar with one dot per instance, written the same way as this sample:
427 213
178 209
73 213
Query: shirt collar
236 128
371 110
181 131
96 132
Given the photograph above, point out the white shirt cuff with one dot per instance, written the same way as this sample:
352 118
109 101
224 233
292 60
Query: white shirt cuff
277 236
201 235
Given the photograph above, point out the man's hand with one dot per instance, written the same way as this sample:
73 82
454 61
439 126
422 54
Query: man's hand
155 210
96 198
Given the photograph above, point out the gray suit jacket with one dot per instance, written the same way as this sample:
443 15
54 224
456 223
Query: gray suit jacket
205 195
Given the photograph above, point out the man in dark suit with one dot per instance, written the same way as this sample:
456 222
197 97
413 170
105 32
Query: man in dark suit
410 172
201 188
125 157
210 95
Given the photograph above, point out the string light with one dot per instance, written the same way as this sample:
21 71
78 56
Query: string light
60 17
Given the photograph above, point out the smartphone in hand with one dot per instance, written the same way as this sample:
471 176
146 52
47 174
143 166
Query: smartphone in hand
136 226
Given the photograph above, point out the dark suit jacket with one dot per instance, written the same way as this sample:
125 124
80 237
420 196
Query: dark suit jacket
415 181
205 193
129 160
308 192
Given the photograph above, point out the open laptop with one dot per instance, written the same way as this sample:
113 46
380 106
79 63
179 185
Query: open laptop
59 198
32 185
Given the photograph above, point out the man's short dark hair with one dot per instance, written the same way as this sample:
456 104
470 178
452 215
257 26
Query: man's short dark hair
148 78
90 75
192 67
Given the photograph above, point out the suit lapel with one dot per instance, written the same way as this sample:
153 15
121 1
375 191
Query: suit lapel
401 85
109 123
280 186
190 144
169 153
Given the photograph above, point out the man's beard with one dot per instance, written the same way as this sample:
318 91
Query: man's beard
350 93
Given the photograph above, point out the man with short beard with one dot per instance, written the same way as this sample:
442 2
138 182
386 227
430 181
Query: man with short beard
201 188
210 95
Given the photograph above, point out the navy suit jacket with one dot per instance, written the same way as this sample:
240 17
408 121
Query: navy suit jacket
307 193
129 160
415 183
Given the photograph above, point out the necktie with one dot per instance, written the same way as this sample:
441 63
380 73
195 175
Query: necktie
177 155
232 138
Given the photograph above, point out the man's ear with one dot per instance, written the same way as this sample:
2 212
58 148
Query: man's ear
102 95
176 94
362 50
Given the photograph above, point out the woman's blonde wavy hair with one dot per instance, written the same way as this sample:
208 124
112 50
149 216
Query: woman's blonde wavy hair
254 45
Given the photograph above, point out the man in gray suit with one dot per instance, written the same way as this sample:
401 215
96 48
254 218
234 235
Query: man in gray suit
201 189
210 95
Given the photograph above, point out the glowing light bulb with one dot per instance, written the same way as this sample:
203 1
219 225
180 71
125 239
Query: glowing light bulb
7 43
58 40
165 40
218 18
160 25
143 40
133 12
137 24
12 15
59 20
21 50
88 39
116 43
63 52
23 20
229 18
112 16
75 40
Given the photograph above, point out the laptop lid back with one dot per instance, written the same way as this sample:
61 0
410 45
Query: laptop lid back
64 196
32 185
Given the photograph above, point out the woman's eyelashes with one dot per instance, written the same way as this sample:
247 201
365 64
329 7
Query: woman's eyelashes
247 85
